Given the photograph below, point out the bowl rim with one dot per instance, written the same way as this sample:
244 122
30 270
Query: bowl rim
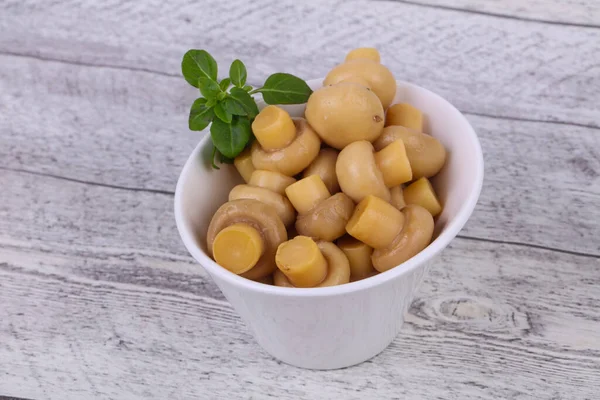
441 242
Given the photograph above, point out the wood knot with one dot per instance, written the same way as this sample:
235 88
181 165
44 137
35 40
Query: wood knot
472 314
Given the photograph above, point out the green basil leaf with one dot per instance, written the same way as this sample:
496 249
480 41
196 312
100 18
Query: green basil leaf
234 107
281 88
209 88
225 83
196 64
212 158
211 102
230 139
222 113
246 101
200 115
247 88
237 73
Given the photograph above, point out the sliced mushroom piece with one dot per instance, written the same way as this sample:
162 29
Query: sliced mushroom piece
294 157
415 235
425 153
242 229
361 172
268 187
302 266
324 166
320 215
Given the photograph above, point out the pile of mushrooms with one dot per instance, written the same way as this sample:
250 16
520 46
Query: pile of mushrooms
338 196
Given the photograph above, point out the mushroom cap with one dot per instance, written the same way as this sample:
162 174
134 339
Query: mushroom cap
261 217
380 78
293 158
327 220
344 113
358 174
279 203
324 166
415 236
397 197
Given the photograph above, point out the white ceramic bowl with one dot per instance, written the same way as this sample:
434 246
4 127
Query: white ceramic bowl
334 327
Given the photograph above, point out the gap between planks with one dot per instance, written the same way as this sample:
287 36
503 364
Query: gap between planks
493 14
157 72
172 193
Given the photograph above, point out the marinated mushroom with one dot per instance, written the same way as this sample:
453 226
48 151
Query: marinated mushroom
273 128
426 154
320 215
421 192
324 166
243 163
292 158
375 222
381 80
243 237
344 113
359 257
416 234
361 172
397 197
303 263
363 53
268 187
405 115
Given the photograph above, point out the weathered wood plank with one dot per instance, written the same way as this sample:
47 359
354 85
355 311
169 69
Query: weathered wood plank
574 12
128 128
481 63
489 322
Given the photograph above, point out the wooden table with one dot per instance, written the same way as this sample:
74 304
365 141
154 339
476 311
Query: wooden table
100 300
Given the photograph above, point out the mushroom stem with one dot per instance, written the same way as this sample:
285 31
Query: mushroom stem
238 247
274 181
359 257
375 222
404 114
243 163
393 164
307 193
274 128
302 262
421 192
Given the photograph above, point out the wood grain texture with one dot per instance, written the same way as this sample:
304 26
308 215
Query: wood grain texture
584 13
99 294
481 63
472 333
99 298
122 128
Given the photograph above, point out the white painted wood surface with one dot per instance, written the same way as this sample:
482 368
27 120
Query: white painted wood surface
99 299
